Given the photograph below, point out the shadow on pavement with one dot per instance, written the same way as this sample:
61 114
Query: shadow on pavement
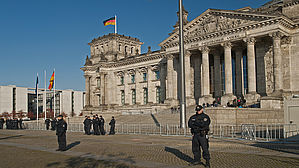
16 136
72 145
155 120
82 162
179 154
292 148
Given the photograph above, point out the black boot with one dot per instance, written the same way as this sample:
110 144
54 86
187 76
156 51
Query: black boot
208 163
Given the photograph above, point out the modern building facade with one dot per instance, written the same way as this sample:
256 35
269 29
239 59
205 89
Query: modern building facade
21 99
250 53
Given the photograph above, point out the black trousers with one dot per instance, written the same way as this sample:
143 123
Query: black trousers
102 130
112 130
61 141
96 129
197 142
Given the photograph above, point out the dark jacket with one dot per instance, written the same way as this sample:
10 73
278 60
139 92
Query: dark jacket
61 127
112 122
199 122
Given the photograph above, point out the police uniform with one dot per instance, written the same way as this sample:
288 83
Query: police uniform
112 126
102 123
61 127
199 124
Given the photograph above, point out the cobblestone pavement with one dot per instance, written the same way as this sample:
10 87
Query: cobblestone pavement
37 149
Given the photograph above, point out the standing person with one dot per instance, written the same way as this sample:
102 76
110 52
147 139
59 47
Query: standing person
47 122
89 122
102 123
21 123
1 123
85 124
112 126
199 124
95 124
53 124
61 127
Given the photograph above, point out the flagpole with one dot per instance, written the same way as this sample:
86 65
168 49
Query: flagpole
45 96
115 25
37 99
54 93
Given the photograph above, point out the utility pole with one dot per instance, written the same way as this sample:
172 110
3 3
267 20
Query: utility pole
182 72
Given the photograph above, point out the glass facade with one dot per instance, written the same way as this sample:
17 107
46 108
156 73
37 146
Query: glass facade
158 94
132 78
133 96
144 76
157 75
122 80
145 96
122 95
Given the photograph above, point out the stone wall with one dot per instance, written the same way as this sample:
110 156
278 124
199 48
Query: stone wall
238 116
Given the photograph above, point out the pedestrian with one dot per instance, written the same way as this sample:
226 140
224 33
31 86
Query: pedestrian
1 123
95 124
88 125
61 127
199 124
112 126
47 123
102 123
85 125
21 123
53 124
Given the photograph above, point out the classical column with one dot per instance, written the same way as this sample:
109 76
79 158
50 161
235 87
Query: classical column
277 61
217 74
251 65
239 70
102 89
170 79
228 68
228 74
189 99
87 90
205 71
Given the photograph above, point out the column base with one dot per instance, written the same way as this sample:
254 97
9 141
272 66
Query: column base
227 98
252 98
206 99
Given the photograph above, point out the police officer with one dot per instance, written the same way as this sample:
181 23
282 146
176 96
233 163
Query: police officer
96 123
85 124
47 122
102 123
61 127
112 126
1 123
199 124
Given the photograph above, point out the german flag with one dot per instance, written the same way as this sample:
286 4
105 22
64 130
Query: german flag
111 21
51 81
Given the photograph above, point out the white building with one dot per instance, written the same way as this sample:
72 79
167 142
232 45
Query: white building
13 98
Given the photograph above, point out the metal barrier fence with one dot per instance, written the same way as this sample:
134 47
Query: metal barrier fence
244 131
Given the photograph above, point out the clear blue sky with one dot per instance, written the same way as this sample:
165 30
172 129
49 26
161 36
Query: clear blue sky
38 35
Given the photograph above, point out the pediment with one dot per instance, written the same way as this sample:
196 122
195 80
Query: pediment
213 20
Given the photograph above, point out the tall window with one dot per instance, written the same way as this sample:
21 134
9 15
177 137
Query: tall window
144 76
122 80
98 82
145 96
157 75
122 95
100 101
158 94
132 78
14 99
133 96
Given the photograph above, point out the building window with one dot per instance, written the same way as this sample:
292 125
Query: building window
133 96
157 75
100 100
73 109
122 92
145 96
98 82
126 48
144 76
119 46
132 49
122 80
132 78
158 94
14 99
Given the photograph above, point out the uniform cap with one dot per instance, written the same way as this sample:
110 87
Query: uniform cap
198 108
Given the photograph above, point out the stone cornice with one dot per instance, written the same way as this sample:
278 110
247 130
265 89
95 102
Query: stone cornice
118 37
173 42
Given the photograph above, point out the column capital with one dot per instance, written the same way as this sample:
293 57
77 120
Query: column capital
249 40
227 45
204 49
87 76
170 56
188 53
276 35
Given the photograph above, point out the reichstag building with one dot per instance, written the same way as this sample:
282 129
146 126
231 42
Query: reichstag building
249 53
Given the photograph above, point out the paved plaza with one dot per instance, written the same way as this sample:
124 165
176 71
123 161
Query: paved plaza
35 149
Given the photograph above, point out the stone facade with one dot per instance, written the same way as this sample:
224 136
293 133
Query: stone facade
250 53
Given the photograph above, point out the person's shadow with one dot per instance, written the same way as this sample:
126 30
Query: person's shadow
72 145
179 154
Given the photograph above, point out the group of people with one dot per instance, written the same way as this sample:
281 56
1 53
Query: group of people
52 122
11 123
98 124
